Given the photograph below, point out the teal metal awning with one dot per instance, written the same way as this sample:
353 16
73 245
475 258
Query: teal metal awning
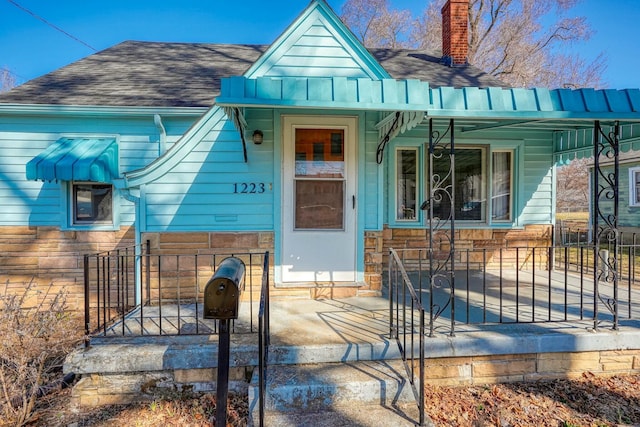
76 159
325 92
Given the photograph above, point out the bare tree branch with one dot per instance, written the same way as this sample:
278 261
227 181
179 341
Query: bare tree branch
522 42
7 79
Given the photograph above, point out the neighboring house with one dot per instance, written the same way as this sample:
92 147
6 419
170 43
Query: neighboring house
628 214
313 147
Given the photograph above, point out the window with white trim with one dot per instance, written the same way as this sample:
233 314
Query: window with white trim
470 187
483 185
501 185
406 184
92 203
634 186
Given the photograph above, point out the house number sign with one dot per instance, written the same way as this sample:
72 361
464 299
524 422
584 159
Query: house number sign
249 187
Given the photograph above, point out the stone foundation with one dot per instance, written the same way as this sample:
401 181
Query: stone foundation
112 389
529 367
115 388
205 244
47 255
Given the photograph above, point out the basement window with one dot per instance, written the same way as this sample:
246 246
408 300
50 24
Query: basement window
92 204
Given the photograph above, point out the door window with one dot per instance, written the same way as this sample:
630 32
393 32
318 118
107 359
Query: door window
319 179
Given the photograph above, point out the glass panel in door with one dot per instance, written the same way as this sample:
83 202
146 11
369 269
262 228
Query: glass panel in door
319 179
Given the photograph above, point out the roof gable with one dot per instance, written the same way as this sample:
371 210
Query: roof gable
317 44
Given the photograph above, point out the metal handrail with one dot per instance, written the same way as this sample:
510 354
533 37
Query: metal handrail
402 317
263 337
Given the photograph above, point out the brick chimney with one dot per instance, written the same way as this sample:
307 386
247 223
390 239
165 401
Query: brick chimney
455 32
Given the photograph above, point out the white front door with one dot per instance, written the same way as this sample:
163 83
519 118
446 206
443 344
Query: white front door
319 199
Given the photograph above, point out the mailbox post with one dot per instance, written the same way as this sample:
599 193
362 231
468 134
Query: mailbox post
222 302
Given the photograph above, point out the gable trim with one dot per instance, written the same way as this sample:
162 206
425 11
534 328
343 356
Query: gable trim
318 11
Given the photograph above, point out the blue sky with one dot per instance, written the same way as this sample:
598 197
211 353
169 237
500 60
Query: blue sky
30 48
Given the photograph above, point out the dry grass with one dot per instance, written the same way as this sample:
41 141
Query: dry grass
572 216
37 333
588 401
184 409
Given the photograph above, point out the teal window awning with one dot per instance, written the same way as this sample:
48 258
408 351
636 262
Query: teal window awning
76 159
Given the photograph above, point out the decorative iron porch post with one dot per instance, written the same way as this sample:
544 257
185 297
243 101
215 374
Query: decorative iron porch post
441 191
605 225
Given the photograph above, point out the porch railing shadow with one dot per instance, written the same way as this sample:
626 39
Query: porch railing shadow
134 292
502 286
522 285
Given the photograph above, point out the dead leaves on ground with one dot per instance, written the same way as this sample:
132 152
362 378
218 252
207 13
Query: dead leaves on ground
587 401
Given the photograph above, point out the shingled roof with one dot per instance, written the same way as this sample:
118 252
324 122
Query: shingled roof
155 74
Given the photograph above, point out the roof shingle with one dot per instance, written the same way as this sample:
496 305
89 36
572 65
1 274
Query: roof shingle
156 74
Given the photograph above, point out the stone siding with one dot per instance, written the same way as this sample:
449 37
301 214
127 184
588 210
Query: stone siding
47 255
181 252
206 244
475 248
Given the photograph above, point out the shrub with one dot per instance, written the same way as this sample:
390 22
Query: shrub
36 334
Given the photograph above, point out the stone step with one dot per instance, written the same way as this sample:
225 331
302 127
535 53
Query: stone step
359 416
296 394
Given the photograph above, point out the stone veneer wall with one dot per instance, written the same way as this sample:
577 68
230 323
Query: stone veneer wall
206 243
476 247
47 255
178 261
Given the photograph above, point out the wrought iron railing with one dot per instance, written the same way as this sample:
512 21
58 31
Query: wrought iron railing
133 292
263 338
520 285
407 326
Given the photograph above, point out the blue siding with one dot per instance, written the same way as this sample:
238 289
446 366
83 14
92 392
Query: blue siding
317 44
38 203
371 188
538 186
628 216
197 193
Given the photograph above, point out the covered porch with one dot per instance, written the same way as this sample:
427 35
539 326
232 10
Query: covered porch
493 323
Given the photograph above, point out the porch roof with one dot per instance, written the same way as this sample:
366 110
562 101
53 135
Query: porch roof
568 113
76 159
416 95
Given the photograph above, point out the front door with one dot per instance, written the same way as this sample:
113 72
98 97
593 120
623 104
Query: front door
319 199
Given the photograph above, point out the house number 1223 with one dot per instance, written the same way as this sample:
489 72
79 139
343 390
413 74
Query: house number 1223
249 187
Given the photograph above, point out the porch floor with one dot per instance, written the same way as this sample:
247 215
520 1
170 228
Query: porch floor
351 326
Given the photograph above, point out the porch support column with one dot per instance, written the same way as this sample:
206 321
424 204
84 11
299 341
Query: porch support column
441 190
604 224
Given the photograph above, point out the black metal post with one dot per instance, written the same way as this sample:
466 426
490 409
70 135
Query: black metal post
224 339
87 307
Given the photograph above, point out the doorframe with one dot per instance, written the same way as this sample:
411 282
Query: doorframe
359 158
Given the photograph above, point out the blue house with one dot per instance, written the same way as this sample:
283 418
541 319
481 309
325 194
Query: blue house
314 148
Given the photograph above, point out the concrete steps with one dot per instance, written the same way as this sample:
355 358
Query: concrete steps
363 393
